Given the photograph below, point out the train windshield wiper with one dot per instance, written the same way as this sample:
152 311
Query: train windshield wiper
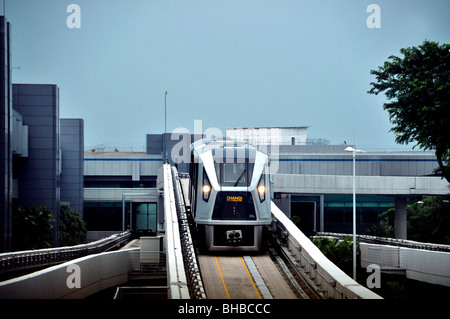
237 182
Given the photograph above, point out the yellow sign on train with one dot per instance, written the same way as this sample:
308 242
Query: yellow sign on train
234 198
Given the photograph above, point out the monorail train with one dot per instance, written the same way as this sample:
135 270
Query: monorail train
230 195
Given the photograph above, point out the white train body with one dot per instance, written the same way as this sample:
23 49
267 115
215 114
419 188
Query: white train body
230 194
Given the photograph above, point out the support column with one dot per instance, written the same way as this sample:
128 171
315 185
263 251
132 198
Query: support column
400 217
322 213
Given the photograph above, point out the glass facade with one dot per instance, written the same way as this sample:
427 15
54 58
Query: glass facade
338 211
107 216
118 181
103 216
145 215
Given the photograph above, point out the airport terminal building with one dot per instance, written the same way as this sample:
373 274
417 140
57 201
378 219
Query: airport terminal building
304 175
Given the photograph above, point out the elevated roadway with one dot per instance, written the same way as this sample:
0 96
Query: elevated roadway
366 185
400 187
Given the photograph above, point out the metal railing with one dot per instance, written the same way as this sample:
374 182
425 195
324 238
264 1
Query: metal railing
389 241
20 260
148 263
386 257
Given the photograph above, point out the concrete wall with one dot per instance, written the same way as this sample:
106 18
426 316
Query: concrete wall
119 164
333 281
428 266
72 153
295 161
365 185
97 272
423 265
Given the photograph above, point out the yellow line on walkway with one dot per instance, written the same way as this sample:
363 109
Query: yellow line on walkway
251 279
221 277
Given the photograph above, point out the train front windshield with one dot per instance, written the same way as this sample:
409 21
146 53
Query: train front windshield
234 174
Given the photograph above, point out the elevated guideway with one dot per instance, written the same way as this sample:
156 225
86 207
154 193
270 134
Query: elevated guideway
293 267
82 277
29 260
312 264
426 262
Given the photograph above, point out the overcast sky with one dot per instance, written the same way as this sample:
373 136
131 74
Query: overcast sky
229 63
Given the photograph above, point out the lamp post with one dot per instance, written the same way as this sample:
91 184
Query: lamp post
354 151
165 125
165 112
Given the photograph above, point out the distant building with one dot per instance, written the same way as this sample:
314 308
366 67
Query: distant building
41 156
37 175
270 135
6 147
48 152
72 163
110 174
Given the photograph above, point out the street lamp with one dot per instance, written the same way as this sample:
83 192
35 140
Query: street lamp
165 112
354 151
165 124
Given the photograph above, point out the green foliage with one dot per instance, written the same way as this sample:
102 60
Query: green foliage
32 228
297 220
417 87
395 289
340 252
428 220
72 229
385 227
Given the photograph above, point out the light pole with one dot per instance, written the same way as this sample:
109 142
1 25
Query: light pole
354 151
165 124
165 112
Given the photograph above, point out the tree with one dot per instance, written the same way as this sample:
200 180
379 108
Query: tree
32 228
417 87
72 229
428 220
385 227
340 252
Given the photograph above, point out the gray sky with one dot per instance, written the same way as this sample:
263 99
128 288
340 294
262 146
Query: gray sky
229 63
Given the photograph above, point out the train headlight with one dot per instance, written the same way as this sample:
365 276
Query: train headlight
262 188
206 188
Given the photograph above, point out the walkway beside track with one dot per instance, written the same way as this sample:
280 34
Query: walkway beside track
232 277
